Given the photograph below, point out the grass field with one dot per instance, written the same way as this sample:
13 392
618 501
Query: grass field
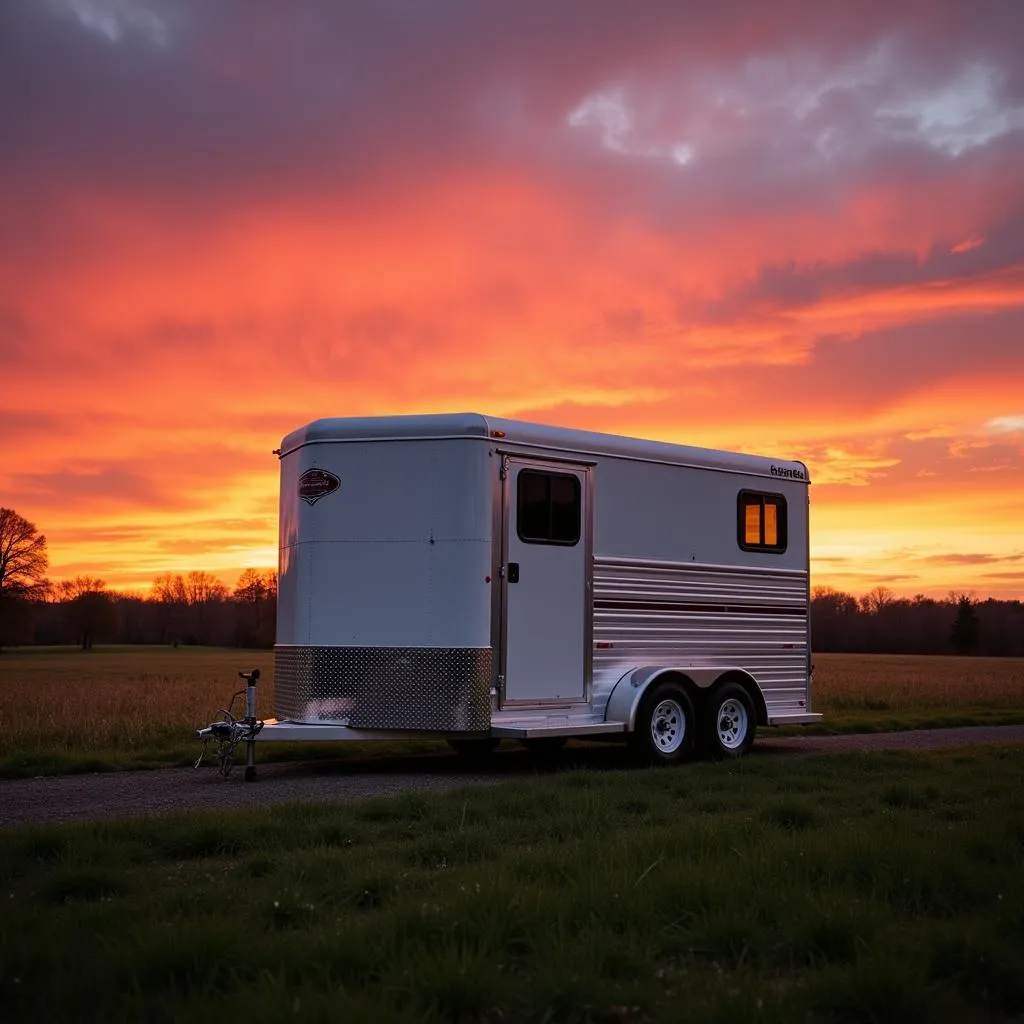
831 889
869 692
67 710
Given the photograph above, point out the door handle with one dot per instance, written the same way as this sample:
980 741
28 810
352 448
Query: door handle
513 572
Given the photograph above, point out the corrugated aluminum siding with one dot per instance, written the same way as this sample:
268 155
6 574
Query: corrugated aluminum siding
708 615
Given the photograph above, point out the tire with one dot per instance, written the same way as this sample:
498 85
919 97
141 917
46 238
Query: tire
474 748
664 726
728 722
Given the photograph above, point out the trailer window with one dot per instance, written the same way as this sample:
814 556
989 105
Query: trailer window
762 522
547 507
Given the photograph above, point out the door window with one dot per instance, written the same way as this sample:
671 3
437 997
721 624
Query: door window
548 507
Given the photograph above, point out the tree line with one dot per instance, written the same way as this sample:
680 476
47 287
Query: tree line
197 608
881 623
190 608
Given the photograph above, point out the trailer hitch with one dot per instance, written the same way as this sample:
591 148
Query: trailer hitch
228 731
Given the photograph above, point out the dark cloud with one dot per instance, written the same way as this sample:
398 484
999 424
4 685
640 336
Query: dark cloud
13 329
970 559
92 484
250 95
127 533
137 481
238 104
221 219
15 426
870 578
790 287
856 374
839 381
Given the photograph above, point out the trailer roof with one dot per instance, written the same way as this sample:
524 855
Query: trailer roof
520 434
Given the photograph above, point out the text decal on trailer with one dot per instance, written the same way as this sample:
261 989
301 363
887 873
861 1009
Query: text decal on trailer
792 474
315 484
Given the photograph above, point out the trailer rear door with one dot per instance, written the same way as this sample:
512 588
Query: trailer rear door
546 581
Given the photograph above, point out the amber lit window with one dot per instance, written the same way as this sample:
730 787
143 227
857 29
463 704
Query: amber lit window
762 522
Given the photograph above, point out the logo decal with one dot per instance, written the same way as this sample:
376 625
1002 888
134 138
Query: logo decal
315 484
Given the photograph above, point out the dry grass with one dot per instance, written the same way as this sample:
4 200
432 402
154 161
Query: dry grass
121 698
902 683
66 710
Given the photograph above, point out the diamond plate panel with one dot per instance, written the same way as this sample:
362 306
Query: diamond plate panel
435 689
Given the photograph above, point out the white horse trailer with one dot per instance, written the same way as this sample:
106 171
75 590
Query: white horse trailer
479 578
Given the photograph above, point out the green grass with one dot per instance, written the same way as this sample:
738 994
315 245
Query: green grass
855 888
178 752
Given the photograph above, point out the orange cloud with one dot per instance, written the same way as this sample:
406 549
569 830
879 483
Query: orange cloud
832 273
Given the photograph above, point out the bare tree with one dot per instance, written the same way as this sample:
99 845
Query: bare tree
205 594
23 562
23 558
877 600
169 588
170 594
204 588
254 586
257 591
188 604
90 608
74 588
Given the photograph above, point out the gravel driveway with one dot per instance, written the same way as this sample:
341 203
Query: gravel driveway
48 801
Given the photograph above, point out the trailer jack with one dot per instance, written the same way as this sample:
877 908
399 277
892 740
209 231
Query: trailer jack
228 731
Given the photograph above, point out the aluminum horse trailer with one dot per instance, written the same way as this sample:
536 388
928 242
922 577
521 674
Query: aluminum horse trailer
480 578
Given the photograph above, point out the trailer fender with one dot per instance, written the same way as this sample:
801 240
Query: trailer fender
629 690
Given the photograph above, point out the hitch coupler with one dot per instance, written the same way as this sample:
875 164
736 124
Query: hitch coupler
227 732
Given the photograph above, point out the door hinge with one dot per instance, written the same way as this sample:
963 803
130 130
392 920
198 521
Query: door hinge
503 472
501 572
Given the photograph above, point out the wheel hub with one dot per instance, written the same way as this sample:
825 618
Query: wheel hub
668 726
733 723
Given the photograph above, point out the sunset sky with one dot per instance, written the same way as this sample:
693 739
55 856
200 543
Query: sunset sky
788 228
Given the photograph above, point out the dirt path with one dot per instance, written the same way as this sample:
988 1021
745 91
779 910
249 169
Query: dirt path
48 801
914 739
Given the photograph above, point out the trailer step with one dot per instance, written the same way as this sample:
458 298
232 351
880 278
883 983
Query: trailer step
274 731
540 729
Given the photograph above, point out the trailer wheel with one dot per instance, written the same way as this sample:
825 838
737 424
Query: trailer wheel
729 721
474 748
663 732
